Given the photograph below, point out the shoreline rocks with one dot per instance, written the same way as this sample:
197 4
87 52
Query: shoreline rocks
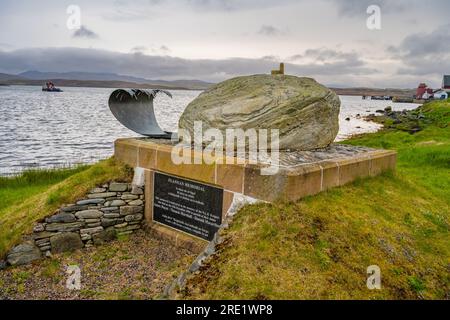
406 120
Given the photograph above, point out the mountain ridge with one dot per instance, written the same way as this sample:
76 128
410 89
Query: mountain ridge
112 80
98 76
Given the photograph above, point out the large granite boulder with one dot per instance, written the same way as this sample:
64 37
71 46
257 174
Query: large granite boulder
305 112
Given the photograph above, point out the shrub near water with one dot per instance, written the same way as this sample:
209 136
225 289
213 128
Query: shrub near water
320 247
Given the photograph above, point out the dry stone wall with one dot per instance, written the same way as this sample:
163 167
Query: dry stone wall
107 211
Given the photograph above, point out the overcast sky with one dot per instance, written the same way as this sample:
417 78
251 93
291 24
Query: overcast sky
216 39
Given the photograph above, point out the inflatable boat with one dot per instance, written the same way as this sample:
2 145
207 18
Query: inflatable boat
52 89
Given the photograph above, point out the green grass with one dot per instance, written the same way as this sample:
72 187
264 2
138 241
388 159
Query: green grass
37 194
320 247
18 188
316 248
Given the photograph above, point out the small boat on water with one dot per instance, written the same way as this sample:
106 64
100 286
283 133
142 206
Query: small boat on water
380 98
50 87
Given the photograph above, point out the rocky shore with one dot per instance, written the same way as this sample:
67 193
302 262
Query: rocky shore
406 120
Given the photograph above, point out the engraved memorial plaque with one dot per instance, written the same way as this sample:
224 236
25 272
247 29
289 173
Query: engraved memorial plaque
186 205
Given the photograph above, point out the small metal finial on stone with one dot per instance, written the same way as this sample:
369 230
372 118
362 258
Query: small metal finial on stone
280 71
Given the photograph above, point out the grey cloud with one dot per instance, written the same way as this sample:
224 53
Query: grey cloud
124 13
200 5
5 45
161 50
147 9
139 49
356 7
235 5
352 7
424 53
164 67
271 58
226 5
324 54
349 62
345 7
165 49
426 44
84 32
268 30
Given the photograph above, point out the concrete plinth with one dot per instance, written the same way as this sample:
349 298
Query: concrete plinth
300 173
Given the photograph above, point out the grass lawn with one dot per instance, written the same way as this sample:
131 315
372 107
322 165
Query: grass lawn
36 194
320 247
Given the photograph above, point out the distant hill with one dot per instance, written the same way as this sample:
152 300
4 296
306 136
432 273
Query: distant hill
112 80
194 84
38 75
374 92
7 77
97 84
89 76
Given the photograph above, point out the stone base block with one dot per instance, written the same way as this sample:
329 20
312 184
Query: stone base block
297 174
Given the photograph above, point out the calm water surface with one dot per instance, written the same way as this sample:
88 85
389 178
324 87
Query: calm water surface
41 129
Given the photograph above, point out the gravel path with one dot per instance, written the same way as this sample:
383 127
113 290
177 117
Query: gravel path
134 267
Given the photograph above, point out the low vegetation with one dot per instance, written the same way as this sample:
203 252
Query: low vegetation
37 193
31 182
320 247
316 248
132 267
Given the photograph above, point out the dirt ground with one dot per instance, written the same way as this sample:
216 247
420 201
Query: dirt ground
138 266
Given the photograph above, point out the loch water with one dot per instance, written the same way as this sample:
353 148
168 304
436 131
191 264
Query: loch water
42 129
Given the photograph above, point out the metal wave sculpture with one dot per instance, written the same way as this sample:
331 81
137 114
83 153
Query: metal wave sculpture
134 109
